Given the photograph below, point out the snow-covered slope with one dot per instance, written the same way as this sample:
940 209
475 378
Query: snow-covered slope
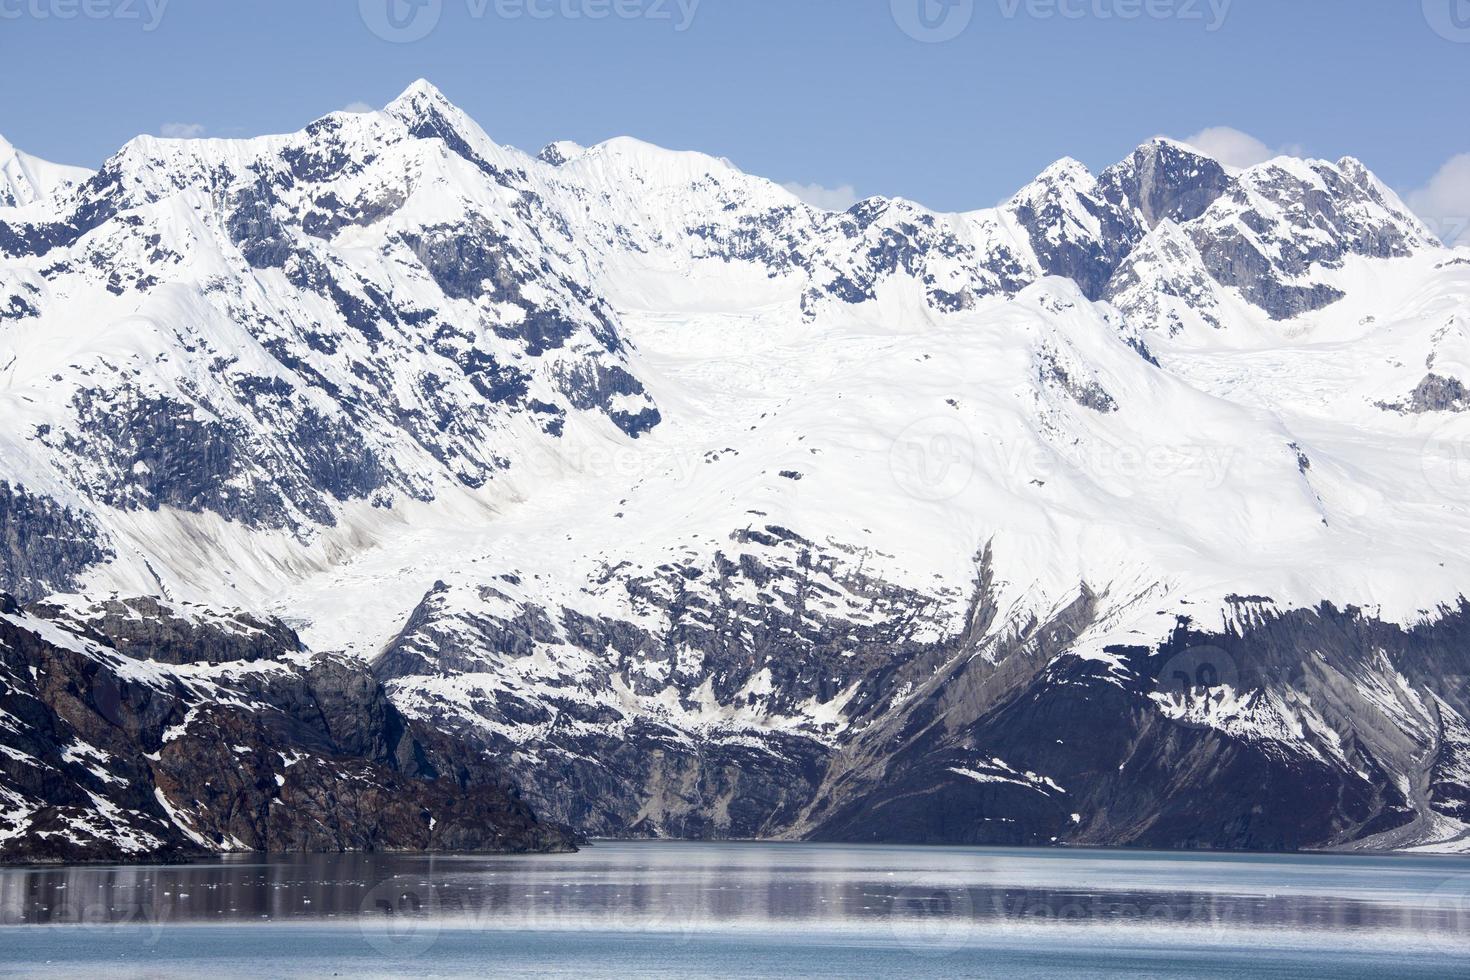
713 512
25 179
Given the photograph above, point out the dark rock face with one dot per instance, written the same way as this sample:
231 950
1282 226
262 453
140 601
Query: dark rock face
1075 232
129 732
253 227
1267 232
1086 392
858 250
1190 745
1084 230
43 545
148 629
1233 260
1291 731
1167 271
552 154
152 451
1435 393
593 385
471 261
1169 793
18 307
757 633
1165 181
97 201
1325 208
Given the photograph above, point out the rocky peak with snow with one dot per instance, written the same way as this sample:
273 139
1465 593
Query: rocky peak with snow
1165 180
707 512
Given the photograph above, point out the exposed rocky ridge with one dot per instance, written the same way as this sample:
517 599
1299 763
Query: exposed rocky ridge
132 732
1434 394
1308 729
44 545
1165 181
1311 729
481 307
462 329
783 641
699 471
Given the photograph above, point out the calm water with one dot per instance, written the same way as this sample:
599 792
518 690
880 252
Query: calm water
747 909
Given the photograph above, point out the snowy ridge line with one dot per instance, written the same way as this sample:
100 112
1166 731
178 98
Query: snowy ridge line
619 453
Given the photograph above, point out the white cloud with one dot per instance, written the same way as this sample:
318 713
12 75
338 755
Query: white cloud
828 198
182 131
1444 203
1231 147
358 107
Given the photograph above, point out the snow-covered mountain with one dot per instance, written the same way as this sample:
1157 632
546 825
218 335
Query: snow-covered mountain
24 179
1130 511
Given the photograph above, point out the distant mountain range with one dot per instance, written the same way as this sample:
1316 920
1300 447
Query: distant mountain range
379 486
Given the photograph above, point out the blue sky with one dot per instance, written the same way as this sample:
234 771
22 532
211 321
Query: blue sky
831 93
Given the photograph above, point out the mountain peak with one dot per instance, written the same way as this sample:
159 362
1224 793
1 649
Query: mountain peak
560 152
600 402
1065 177
1159 143
1175 154
423 106
24 178
428 114
420 92
1067 169
1166 180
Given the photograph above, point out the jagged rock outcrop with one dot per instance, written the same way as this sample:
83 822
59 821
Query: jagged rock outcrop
134 732
1308 729
44 545
1312 729
629 479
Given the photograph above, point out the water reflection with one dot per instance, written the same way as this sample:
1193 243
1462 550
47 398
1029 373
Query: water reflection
929 893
